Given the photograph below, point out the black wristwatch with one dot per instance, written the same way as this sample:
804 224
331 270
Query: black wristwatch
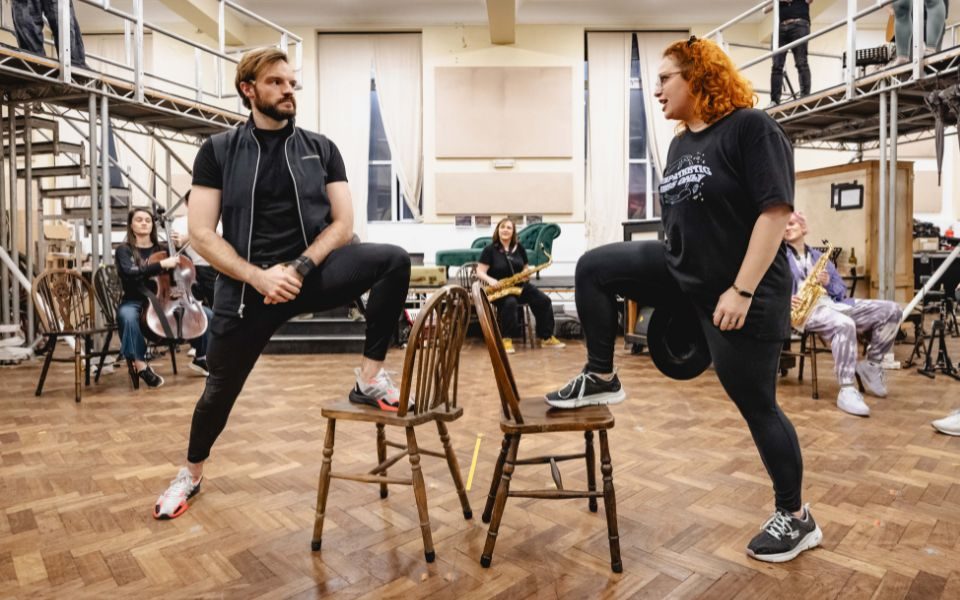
742 292
302 265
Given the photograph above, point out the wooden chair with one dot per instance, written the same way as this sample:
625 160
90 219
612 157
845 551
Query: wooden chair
533 416
808 351
429 384
467 274
65 307
106 282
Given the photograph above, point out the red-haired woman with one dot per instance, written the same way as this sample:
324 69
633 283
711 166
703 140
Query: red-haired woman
726 195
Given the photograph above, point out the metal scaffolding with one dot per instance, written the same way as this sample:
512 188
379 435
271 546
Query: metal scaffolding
131 103
875 111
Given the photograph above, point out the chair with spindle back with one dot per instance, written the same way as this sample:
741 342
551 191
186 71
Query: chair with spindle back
106 282
429 384
66 308
533 416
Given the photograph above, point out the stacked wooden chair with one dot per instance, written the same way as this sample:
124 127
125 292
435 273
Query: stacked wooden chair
65 306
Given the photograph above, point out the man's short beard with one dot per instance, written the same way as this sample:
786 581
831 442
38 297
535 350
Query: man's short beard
273 111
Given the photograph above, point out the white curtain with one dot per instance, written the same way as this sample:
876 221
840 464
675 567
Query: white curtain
659 129
397 71
607 142
344 65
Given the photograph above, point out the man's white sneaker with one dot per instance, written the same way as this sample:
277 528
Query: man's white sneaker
873 378
850 400
173 502
949 425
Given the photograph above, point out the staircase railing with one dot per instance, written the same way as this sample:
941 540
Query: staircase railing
134 28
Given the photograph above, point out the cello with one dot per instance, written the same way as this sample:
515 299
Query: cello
173 314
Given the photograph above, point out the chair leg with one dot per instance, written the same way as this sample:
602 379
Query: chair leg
610 503
77 369
454 470
420 493
803 357
502 491
87 350
495 480
134 376
103 356
323 486
173 357
813 368
591 469
382 455
48 349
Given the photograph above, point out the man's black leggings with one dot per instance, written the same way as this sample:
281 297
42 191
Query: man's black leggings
747 367
236 344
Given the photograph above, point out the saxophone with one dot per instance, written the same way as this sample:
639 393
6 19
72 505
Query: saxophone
810 292
508 285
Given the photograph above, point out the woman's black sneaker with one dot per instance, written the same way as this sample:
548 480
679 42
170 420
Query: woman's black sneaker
784 536
150 378
586 389
200 366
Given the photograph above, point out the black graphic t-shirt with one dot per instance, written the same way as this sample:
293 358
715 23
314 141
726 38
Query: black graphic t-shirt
716 184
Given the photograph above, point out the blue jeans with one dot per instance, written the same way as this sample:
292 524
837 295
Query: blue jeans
133 346
28 25
789 33
903 24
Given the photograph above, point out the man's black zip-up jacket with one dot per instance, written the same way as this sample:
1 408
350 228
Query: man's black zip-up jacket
237 153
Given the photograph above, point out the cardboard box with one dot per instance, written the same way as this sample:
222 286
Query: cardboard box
926 244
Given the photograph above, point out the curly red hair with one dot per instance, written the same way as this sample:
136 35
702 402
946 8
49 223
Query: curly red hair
715 83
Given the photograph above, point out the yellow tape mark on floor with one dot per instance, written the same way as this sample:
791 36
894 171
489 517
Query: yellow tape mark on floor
473 463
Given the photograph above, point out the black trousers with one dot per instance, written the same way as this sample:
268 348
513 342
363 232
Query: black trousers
789 33
508 308
236 344
28 25
747 367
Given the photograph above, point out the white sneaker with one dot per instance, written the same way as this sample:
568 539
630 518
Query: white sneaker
873 378
850 400
949 425
173 502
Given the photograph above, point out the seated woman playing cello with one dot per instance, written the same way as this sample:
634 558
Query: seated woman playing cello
136 276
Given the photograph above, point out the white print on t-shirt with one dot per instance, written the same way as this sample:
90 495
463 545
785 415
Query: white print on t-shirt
684 179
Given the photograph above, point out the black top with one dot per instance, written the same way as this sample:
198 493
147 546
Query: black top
503 264
716 184
278 235
135 274
794 9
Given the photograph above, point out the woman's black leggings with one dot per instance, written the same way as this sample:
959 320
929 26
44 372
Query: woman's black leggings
236 344
747 367
508 308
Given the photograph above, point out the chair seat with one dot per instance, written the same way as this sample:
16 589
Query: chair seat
538 417
344 409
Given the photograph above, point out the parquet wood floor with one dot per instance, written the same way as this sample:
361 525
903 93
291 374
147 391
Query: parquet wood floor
78 483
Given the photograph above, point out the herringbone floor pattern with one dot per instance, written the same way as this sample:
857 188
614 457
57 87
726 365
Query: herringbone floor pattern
78 483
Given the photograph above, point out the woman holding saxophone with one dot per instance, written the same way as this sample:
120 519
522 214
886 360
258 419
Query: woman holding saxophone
505 258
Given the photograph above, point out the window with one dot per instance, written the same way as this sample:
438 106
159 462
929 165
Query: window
385 199
643 199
